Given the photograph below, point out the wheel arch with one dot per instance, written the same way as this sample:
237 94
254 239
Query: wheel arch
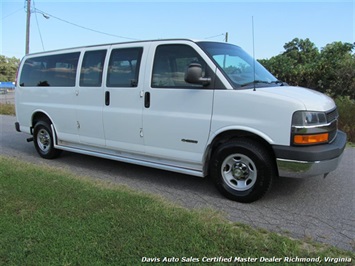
44 136
233 134
39 116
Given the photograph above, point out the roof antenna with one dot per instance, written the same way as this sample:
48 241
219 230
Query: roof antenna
252 25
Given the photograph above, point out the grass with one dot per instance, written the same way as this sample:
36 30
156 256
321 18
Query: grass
51 217
7 109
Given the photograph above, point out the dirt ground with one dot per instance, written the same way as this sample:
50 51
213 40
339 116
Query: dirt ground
8 97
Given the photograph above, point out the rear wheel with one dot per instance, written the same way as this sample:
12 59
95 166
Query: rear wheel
242 170
43 141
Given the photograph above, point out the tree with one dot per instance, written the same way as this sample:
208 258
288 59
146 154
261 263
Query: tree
296 65
8 68
282 67
330 70
336 69
302 51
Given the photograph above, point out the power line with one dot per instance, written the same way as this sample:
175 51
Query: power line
11 14
47 15
39 30
215 36
225 36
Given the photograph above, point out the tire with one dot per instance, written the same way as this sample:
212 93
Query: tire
242 170
43 141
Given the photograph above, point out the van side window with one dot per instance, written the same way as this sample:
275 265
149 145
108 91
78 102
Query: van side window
51 70
123 69
170 64
91 69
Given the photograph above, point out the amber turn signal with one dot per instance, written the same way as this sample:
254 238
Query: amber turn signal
311 139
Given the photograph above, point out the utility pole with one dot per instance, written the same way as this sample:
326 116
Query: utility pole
226 39
28 26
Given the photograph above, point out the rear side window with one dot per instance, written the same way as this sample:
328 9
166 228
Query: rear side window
170 64
123 70
52 70
91 69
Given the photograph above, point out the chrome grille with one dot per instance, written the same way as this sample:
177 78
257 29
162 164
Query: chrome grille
332 115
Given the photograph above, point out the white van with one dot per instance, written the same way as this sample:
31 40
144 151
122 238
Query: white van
193 107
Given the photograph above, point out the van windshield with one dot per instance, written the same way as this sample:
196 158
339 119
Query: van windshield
238 66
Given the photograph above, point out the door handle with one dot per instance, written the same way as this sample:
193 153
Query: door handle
147 100
107 98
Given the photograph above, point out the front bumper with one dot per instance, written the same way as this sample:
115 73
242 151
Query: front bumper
310 161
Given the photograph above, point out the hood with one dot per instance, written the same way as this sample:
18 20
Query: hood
311 99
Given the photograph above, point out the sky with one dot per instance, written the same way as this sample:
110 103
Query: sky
70 23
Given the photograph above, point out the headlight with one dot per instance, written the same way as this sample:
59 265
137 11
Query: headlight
309 128
305 118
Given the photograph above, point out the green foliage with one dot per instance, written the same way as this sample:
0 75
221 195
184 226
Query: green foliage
330 70
346 108
301 51
337 69
8 68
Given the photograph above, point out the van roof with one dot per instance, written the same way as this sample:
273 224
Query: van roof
114 43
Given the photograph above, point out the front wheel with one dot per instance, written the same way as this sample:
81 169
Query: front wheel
43 141
242 170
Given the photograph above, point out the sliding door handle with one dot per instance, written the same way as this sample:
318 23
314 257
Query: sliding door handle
147 100
107 98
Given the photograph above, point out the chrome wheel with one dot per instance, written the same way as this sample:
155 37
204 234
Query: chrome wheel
239 172
242 169
43 140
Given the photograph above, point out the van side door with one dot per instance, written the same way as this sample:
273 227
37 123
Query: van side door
90 98
177 115
122 112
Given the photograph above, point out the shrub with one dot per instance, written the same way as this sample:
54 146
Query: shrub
346 108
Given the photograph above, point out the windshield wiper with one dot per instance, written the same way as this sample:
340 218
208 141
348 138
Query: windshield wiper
264 82
254 82
279 82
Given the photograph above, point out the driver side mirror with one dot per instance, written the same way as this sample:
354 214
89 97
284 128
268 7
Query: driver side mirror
193 75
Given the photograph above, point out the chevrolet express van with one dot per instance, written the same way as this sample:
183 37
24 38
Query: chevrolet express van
195 107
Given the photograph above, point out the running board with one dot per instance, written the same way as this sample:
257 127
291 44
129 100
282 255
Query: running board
124 159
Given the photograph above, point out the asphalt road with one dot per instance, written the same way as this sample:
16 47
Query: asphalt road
316 208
